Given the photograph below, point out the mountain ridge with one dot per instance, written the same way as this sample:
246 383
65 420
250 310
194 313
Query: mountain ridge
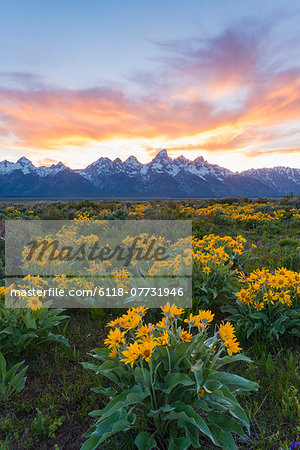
161 177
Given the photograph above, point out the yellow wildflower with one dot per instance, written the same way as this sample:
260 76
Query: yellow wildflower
131 353
144 330
34 303
283 297
232 346
146 349
163 339
114 322
130 321
185 336
258 305
162 323
113 353
205 316
226 331
114 338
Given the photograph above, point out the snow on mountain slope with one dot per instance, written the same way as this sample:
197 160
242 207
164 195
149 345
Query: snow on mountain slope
163 176
24 165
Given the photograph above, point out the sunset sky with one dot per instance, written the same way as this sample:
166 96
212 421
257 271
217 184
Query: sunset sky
85 79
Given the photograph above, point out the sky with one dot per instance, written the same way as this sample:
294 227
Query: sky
80 80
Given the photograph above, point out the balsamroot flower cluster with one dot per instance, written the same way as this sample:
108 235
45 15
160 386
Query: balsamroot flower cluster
235 212
132 340
262 288
218 249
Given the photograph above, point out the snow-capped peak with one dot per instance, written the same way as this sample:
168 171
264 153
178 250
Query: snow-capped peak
163 154
132 161
24 161
54 169
25 165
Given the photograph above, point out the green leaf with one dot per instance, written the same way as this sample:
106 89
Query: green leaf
29 321
19 380
212 385
126 398
233 380
100 353
173 380
12 371
226 423
228 308
2 367
58 338
233 358
259 315
197 369
95 413
139 375
181 443
109 392
219 401
114 424
144 441
163 409
187 413
224 439
111 369
90 366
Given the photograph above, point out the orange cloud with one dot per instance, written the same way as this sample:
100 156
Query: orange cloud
218 87
48 162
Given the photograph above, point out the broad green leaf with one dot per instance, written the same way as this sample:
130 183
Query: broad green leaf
233 358
212 385
114 424
100 353
58 338
163 409
95 413
187 413
226 423
29 321
126 398
259 315
181 443
233 380
173 380
109 392
144 441
224 439
90 366
228 308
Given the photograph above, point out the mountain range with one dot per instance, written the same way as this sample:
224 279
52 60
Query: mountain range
163 177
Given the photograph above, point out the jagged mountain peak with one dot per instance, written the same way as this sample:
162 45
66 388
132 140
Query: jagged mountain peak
162 177
162 154
24 160
58 165
182 160
132 160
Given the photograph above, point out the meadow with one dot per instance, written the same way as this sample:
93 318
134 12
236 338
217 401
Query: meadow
244 328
